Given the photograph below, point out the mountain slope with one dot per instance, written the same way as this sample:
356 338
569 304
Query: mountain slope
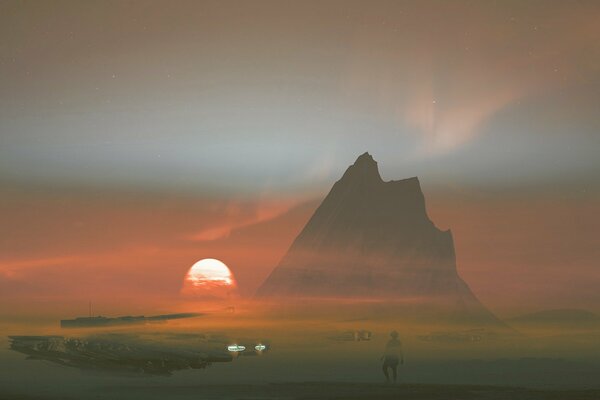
372 239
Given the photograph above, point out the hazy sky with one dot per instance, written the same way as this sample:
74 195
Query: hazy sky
128 128
277 96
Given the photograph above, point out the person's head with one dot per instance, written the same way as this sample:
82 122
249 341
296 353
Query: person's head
394 334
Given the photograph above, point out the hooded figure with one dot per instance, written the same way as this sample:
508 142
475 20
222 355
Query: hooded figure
392 356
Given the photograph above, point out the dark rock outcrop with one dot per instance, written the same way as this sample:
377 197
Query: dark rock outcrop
372 239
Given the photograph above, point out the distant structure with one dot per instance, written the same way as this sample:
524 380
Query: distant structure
100 321
353 336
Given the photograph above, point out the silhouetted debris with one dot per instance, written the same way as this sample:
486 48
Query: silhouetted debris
99 321
466 336
116 353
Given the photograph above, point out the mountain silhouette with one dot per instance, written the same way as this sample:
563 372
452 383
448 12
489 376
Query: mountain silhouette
372 239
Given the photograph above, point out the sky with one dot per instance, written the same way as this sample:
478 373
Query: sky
139 137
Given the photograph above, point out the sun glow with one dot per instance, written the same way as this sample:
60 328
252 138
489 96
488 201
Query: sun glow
209 277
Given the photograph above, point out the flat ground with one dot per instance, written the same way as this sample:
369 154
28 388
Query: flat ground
333 390
310 360
326 390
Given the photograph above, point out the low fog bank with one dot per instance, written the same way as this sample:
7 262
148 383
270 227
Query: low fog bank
328 346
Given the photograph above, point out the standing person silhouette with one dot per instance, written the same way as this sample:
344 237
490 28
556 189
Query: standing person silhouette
392 356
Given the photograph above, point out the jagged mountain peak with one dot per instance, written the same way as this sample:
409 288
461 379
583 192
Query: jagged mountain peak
364 170
365 158
372 239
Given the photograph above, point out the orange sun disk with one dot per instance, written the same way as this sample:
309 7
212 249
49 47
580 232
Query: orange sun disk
209 278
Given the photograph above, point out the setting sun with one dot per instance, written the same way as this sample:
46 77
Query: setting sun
208 278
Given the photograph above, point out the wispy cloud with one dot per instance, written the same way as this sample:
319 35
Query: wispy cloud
235 219
446 76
